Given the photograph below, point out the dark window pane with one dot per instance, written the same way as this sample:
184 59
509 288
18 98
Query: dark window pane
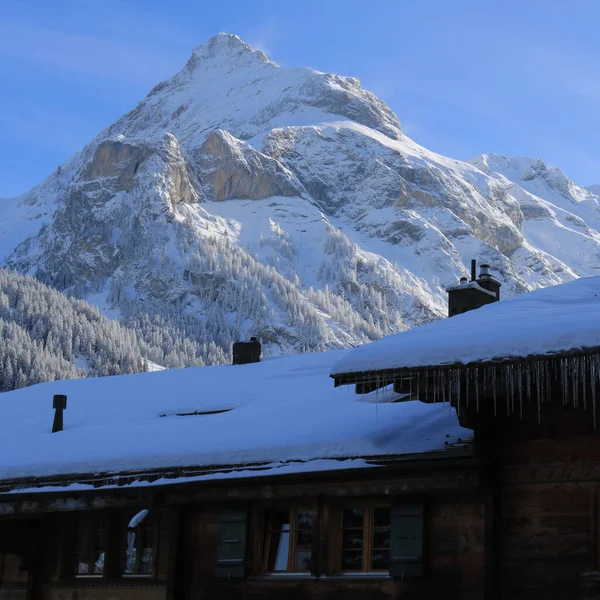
380 560
303 540
146 566
147 535
277 557
352 538
352 560
99 537
281 520
81 564
129 559
353 517
81 541
304 519
381 538
381 517
302 561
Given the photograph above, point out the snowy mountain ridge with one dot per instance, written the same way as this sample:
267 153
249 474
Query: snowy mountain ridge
240 198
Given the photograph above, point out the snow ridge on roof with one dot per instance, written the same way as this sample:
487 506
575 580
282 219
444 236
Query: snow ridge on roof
557 319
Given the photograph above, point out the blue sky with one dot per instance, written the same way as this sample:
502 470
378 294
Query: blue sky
519 78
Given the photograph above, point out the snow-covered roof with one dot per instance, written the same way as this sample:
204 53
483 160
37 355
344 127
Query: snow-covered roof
280 410
473 285
557 319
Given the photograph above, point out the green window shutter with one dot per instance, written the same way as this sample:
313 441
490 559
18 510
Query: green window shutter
231 544
406 548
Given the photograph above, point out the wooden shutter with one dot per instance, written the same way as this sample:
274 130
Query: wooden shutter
231 544
406 548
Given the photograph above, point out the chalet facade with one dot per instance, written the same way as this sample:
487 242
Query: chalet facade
459 460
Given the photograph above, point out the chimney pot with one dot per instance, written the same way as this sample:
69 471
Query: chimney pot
246 352
464 280
473 270
484 271
59 403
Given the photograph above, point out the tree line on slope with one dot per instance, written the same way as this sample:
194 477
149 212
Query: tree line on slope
45 336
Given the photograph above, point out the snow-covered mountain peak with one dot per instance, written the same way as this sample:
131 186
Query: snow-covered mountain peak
228 84
532 173
223 48
244 198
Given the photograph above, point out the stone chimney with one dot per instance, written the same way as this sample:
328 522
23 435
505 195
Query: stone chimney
469 295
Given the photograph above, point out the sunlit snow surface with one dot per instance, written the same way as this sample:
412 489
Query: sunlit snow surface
284 409
555 319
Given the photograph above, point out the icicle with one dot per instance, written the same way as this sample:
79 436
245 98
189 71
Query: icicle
563 379
593 375
457 386
528 380
467 382
538 389
443 382
520 379
509 391
575 380
493 370
477 388
584 369
419 385
548 380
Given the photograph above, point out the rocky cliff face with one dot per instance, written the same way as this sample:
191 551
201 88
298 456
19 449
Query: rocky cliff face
287 203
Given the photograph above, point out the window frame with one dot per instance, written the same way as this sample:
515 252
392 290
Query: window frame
368 528
292 510
152 523
93 522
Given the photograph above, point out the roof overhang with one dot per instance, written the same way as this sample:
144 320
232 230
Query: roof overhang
573 375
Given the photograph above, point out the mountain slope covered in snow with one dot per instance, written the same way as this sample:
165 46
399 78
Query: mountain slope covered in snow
46 336
242 198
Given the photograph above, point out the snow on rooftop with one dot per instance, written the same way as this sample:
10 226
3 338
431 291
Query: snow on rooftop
556 319
282 409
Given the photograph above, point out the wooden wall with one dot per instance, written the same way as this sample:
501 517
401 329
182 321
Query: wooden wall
550 504
454 555
454 549
41 579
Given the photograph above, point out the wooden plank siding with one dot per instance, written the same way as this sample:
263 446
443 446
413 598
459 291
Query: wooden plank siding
185 558
549 503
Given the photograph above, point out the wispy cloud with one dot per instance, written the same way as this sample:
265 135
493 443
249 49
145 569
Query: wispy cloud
264 37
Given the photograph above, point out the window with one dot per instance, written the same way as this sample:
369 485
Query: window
90 546
365 539
289 541
137 545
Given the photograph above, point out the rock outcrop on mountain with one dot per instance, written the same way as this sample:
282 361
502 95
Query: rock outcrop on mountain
242 198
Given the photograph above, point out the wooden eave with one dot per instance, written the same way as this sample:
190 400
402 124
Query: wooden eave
28 493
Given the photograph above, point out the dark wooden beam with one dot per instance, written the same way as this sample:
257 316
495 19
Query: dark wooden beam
175 567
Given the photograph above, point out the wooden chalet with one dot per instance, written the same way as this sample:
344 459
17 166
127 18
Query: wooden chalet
459 460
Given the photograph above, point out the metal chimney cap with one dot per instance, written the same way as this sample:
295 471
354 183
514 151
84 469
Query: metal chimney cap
484 270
